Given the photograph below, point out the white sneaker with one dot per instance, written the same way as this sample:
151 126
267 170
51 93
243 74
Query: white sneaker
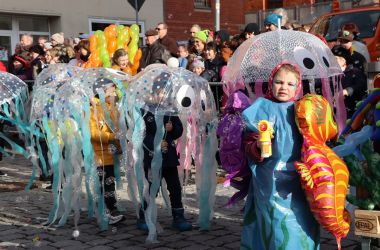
112 220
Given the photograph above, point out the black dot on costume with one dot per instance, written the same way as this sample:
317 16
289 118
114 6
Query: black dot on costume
308 63
186 102
203 105
326 62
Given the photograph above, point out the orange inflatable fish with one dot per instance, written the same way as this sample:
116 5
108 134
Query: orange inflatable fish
324 175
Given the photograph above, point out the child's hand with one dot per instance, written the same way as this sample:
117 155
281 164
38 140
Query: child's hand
169 126
164 146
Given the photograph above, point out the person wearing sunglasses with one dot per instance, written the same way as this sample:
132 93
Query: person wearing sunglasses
168 42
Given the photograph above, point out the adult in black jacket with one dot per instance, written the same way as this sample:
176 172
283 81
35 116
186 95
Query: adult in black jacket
154 52
168 42
354 81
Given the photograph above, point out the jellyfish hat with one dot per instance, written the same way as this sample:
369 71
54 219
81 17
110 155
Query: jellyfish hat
13 96
66 126
165 91
252 63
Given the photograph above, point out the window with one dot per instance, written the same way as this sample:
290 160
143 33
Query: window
273 4
12 27
202 4
33 24
365 20
101 24
5 23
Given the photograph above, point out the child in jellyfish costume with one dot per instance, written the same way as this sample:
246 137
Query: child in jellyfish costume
44 91
106 144
250 66
74 114
277 214
13 96
170 158
186 99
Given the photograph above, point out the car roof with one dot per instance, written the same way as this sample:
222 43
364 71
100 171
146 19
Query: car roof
357 9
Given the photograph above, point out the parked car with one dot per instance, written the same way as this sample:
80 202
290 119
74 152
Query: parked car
366 20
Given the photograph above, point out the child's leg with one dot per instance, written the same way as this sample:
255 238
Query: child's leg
175 192
174 186
109 185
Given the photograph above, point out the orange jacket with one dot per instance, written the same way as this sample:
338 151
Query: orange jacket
101 134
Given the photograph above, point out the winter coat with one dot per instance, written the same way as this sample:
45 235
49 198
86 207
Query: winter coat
214 65
355 82
169 158
170 45
152 54
101 134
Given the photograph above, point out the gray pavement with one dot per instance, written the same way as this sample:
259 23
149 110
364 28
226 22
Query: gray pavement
22 214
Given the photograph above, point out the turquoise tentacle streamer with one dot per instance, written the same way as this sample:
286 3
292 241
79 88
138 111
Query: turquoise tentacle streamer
137 140
55 157
151 212
208 179
90 170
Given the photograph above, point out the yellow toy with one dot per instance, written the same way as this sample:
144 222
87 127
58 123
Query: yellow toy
265 138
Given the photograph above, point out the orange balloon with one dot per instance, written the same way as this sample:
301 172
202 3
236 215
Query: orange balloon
112 44
93 43
138 56
324 176
113 30
95 59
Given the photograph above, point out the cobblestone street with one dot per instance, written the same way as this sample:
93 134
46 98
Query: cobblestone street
22 214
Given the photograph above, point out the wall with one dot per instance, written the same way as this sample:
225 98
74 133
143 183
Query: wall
71 16
181 15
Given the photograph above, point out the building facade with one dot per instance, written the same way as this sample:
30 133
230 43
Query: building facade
46 17
181 15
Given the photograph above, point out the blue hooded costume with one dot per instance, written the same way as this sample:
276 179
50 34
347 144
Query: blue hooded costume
277 215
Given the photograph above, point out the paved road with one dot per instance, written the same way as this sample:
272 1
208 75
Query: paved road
22 213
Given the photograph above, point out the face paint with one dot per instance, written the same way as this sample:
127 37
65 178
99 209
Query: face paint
285 85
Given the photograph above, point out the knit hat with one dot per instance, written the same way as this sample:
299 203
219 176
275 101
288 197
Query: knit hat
202 35
198 63
273 19
252 28
58 37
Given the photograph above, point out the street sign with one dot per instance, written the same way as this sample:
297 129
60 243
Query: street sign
139 4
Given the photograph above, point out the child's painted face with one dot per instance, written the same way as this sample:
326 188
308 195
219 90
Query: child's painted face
182 52
198 70
123 61
284 85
